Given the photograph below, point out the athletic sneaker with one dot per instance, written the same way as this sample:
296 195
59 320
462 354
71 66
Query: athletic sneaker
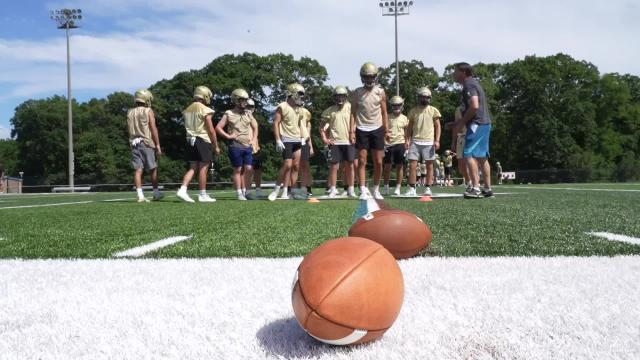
427 191
242 197
487 193
143 200
184 196
273 196
377 195
473 194
365 194
206 198
411 192
332 194
397 192
158 196
352 194
284 197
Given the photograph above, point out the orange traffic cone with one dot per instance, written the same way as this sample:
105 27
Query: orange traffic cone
426 199
313 200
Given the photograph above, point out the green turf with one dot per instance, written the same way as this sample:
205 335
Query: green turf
531 222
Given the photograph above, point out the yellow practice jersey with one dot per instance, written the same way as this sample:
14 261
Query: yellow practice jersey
305 118
241 125
194 120
423 119
369 115
338 121
291 126
138 124
397 126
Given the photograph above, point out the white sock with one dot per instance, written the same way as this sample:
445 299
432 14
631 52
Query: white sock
183 189
203 192
376 188
244 191
398 186
363 188
239 192
140 193
277 188
285 192
351 190
333 189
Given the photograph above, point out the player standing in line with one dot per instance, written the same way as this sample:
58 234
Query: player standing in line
370 128
448 167
201 136
395 151
499 172
477 119
335 131
458 140
422 173
243 133
290 133
436 171
258 158
144 141
423 138
306 153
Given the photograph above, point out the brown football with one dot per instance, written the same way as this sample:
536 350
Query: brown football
402 233
347 291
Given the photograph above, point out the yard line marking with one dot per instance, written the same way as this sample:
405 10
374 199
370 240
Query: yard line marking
145 249
616 237
569 189
45 205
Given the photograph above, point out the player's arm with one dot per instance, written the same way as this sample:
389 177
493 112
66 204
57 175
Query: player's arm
154 132
472 110
408 133
385 116
212 132
311 150
352 129
276 130
220 128
324 127
438 131
256 129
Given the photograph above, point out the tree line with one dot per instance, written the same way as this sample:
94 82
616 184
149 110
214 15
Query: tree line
555 119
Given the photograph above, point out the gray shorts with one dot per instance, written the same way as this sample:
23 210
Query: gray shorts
143 157
421 152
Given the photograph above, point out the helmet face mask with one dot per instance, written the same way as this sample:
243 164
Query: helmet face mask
296 93
239 98
340 94
397 104
424 100
369 75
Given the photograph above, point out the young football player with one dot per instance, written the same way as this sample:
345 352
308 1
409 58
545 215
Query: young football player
306 180
458 141
144 141
499 172
201 136
448 167
290 134
395 151
335 131
370 128
423 138
242 131
258 156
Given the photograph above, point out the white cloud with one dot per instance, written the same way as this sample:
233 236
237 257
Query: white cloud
155 39
4 133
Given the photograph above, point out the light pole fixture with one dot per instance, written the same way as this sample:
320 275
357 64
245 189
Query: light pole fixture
68 19
395 9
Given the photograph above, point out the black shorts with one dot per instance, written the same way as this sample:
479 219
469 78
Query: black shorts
448 170
340 153
394 154
258 159
201 151
370 140
306 153
290 148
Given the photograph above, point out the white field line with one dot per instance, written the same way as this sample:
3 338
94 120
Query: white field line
616 237
45 205
145 249
567 189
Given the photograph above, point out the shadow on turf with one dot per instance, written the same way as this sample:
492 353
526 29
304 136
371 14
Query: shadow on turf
285 338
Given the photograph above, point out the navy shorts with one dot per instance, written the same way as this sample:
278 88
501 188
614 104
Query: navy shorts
241 156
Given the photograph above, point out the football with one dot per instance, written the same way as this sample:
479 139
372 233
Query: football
402 233
347 291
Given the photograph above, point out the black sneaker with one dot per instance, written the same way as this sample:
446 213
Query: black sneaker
487 193
473 194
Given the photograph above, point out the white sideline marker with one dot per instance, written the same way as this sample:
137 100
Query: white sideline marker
45 205
145 249
616 237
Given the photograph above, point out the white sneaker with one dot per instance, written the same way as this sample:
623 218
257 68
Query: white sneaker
158 196
332 194
397 192
284 197
242 197
184 196
377 195
427 191
273 196
411 192
365 194
143 200
206 198
352 195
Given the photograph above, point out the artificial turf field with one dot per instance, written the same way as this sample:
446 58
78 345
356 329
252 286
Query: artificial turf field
548 220
514 277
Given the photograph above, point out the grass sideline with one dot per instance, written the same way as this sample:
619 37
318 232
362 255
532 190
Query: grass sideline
532 222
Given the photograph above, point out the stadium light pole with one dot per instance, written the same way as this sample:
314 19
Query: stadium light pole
68 19
395 9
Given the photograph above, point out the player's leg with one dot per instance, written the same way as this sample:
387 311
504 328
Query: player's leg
386 173
428 179
295 168
247 172
186 180
377 155
399 176
203 171
486 176
137 179
413 156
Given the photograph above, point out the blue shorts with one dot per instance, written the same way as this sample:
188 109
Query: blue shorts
241 156
477 143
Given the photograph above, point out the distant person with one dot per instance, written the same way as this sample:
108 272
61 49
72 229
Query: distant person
258 156
335 131
423 139
395 151
241 128
290 134
436 170
369 106
422 174
448 167
458 141
144 142
499 172
477 119
202 140
307 151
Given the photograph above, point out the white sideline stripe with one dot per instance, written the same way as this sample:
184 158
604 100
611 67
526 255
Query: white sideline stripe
349 339
145 249
616 237
45 205
569 189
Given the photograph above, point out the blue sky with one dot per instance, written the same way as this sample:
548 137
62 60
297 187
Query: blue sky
127 44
